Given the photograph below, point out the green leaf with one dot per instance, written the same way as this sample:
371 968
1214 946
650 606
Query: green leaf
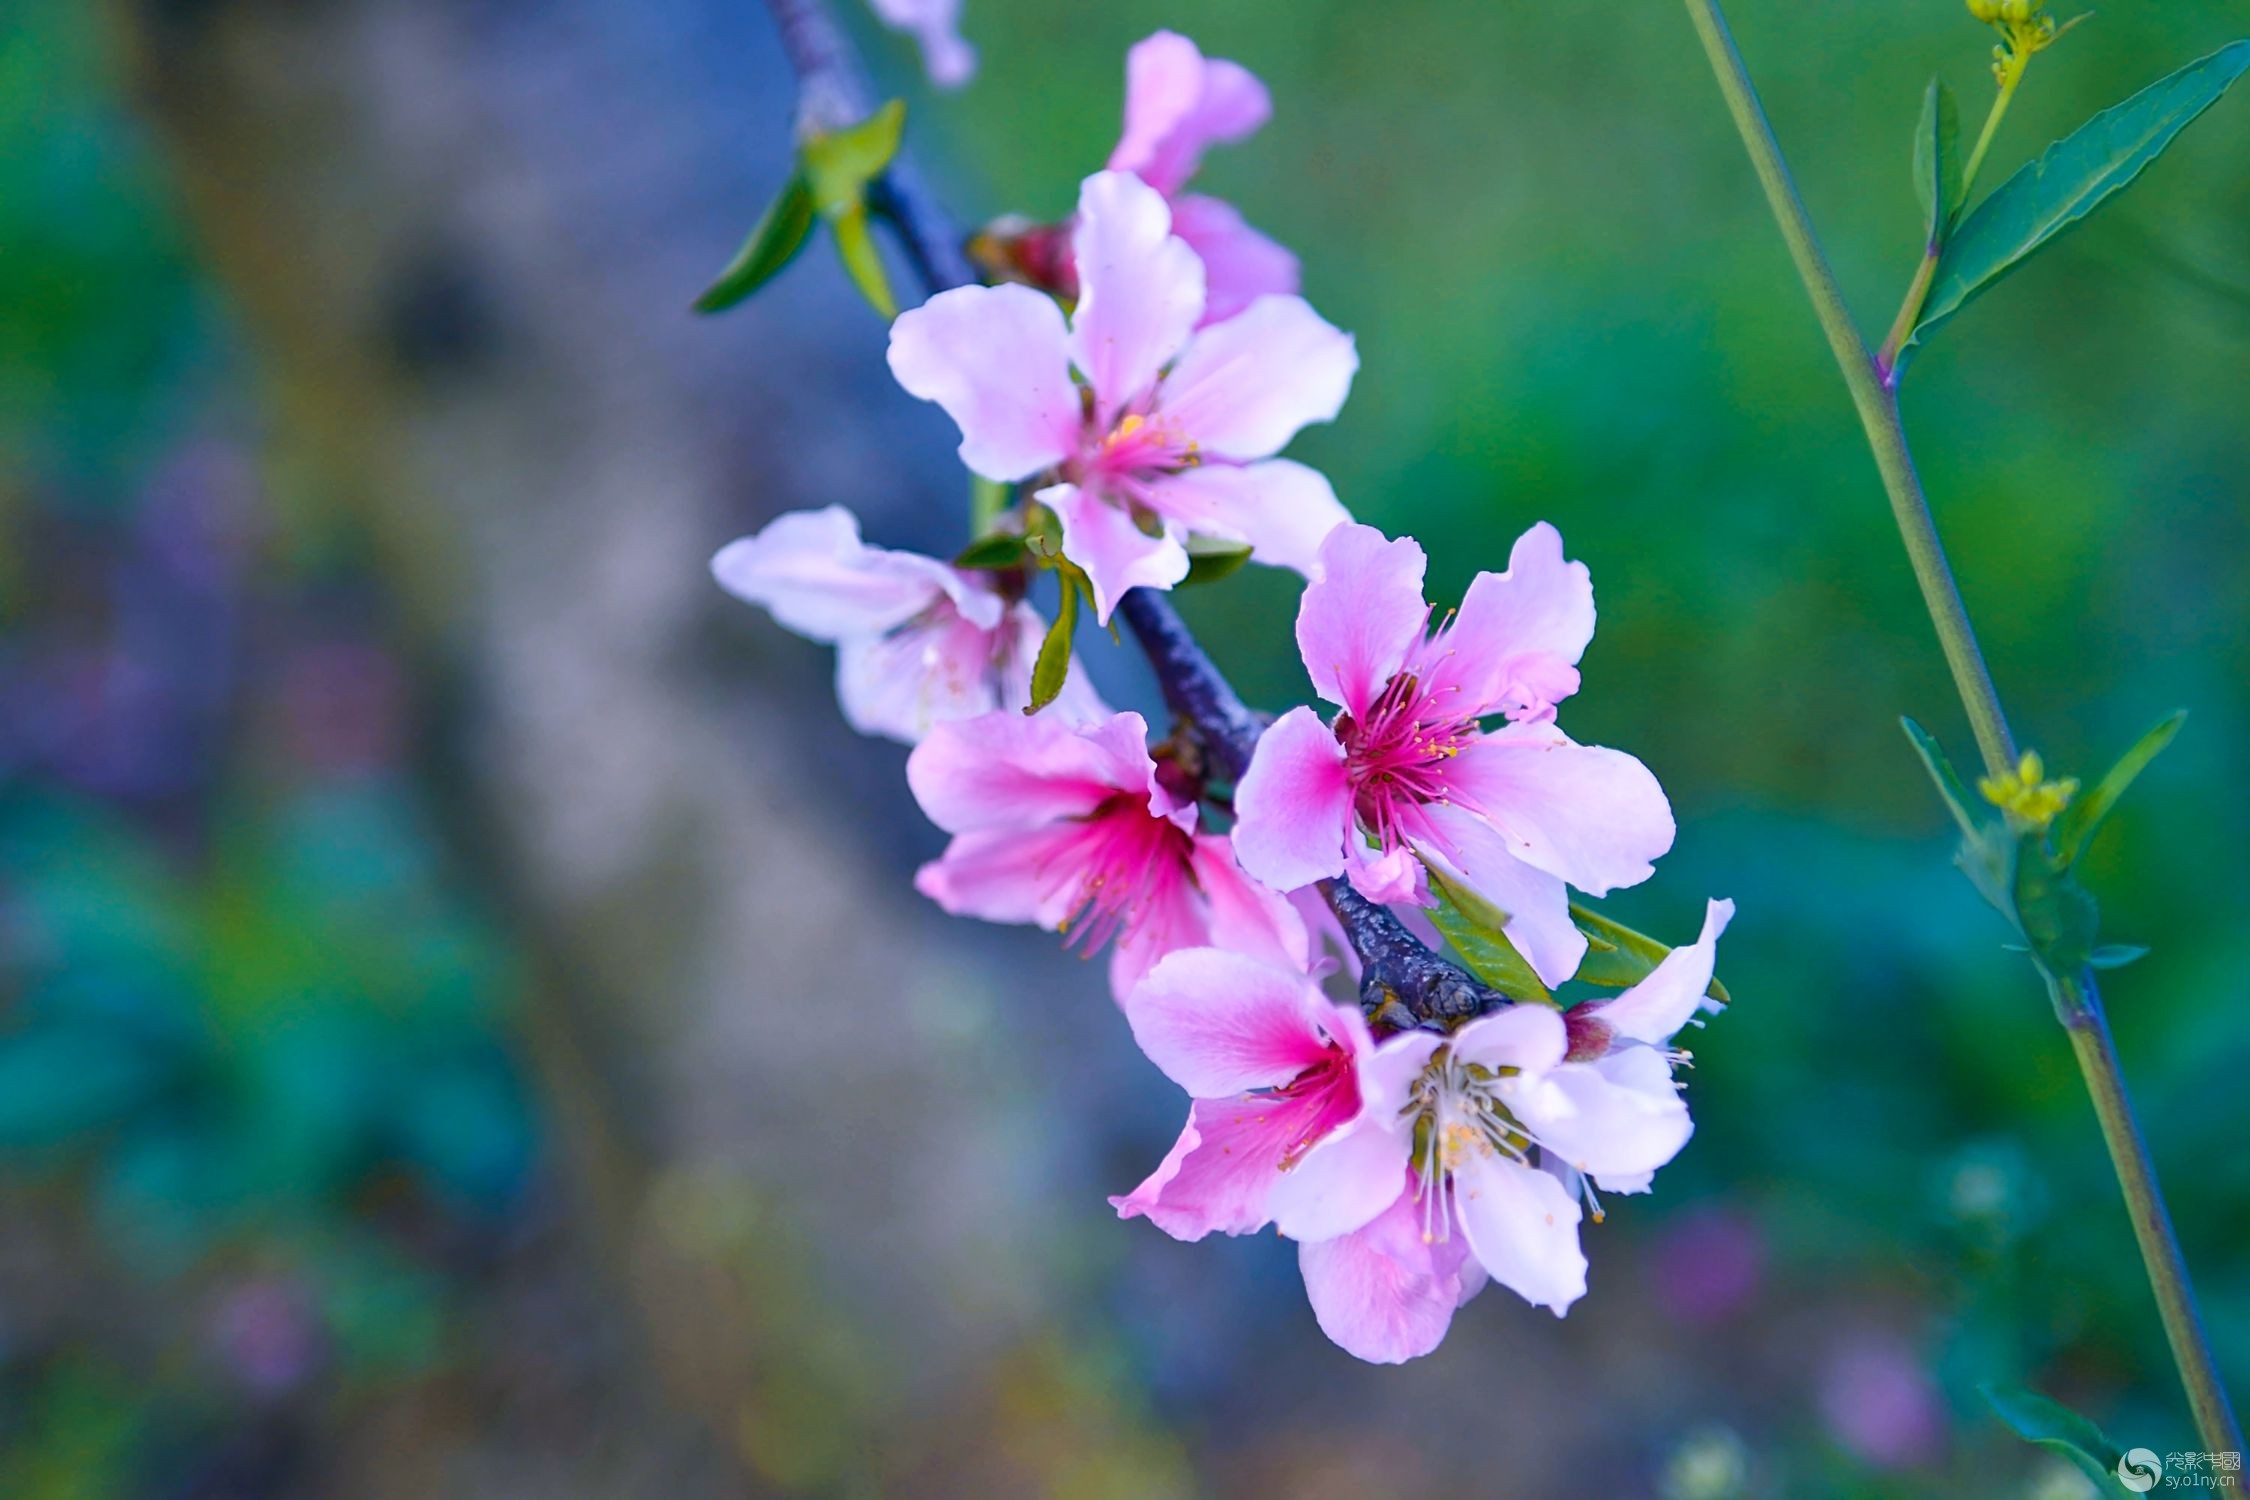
839 164
987 553
857 246
1210 560
2078 823
987 499
2058 916
2116 955
779 235
1948 784
1937 162
1472 925
1052 668
2074 177
1617 956
2058 1429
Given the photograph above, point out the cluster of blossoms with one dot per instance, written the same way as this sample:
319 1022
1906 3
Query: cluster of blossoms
1410 1167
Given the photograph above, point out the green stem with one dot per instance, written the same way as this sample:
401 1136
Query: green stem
2077 1001
2011 74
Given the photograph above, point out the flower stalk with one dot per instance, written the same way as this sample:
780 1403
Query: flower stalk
2077 1000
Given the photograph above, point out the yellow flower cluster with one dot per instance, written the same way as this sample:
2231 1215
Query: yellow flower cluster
2026 795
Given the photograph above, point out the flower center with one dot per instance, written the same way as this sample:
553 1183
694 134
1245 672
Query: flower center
1396 755
1459 1116
1120 859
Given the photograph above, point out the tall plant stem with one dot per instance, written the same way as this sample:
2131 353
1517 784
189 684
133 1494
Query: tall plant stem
2077 1002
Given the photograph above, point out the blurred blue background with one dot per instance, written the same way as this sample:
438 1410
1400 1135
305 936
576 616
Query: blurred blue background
464 1027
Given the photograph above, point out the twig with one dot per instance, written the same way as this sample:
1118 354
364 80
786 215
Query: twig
1403 981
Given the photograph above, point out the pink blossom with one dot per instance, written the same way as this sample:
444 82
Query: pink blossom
1407 776
917 642
1503 1124
1174 428
1178 103
1073 828
1274 1068
936 24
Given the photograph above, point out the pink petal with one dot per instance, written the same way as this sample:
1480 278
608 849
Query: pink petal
997 359
1654 1010
1293 806
1003 770
1242 388
1360 614
811 572
1006 875
1243 916
1219 1024
902 684
1281 508
1603 1125
1140 289
1168 918
1592 816
1537 903
1117 555
1525 628
1522 1227
1177 105
1392 878
1529 1037
1219 1174
1342 1182
1240 265
1384 1293
936 25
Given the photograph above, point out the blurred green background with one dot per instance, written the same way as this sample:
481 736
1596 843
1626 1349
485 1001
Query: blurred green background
343 381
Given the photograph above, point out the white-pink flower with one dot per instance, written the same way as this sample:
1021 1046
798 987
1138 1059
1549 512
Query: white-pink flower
1178 104
936 25
1503 1124
1273 1068
1073 828
917 642
1407 775
1173 431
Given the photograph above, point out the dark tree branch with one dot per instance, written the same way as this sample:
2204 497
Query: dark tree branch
1403 983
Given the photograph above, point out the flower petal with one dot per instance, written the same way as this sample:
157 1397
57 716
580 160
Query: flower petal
1531 1038
1004 770
1624 1125
1219 1024
1344 1180
936 25
902 684
1516 641
1140 289
1360 614
1537 903
1117 555
1522 1227
1384 1292
1178 104
812 573
1006 875
1593 816
1243 916
1242 388
1281 508
997 359
1220 1172
1654 1010
1293 806
1240 265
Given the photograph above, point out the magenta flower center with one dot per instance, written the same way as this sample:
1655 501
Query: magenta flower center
1323 1098
1120 859
1397 755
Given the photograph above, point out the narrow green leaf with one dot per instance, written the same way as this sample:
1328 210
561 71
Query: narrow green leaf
2059 1430
1052 668
1210 560
839 164
2074 177
1617 956
1472 926
1937 162
779 235
2116 955
988 553
2078 823
1948 784
857 246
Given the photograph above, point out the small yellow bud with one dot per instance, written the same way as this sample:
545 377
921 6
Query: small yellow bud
1987 11
2026 795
